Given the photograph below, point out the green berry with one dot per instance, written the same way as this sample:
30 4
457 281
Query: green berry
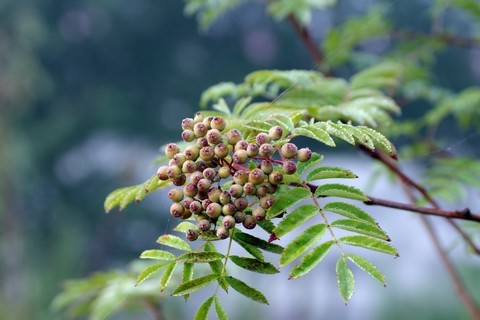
267 201
174 172
228 222
222 233
200 130
180 180
236 190
304 154
259 213
224 197
256 176
209 174
186 214
262 138
249 189
275 177
162 173
233 136
241 203
262 191
239 216
249 222
266 166
240 177
241 145
266 150
179 159
189 166
224 172
192 235
289 150
252 149
177 210
218 123
207 122
188 135
275 132
214 210
228 209
207 153
214 194
191 153
221 150
176 195
204 184
198 117
187 124
240 156
195 207
171 149
204 225
214 136
190 190
289 167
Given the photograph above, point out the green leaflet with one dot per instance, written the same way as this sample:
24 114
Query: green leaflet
349 211
221 314
174 242
157 255
216 266
202 312
167 275
328 173
254 265
341 191
259 243
361 227
310 260
294 219
257 125
184 226
345 279
360 136
254 251
246 290
305 240
240 105
285 122
336 130
380 140
304 166
149 271
187 275
266 225
209 235
286 199
369 243
368 267
222 107
315 133
200 257
195 284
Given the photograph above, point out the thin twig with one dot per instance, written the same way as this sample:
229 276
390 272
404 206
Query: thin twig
440 36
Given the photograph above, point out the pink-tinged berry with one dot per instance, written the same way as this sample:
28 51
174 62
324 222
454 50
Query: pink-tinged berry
233 136
214 210
252 149
256 176
289 150
228 222
275 132
218 123
289 167
259 213
240 177
200 130
188 135
304 154
240 156
176 195
177 210
204 225
171 149
187 124
275 177
214 136
249 222
222 233
266 150
198 117
192 234
262 138
191 153
162 173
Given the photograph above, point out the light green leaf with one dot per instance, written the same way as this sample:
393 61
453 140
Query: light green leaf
254 265
345 279
315 133
368 267
240 105
369 243
257 125
285 122
157 255
328 173
187 275
259 243
216 266
304 241
254 251
349 211
361 227
174 242
202 312
222 106
310 260
167 275
294 219
341 191
184 226
336 130
195 284
221 314
200 257
304 166
246 290
149 271
291 178
379 140
287 199
210 235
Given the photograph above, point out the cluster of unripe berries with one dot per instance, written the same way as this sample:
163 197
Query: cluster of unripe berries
217 186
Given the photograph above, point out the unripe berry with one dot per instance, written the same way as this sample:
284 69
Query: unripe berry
190 190
240 156
162 173
192 235
228 209
175 195
205 203
262 191
200 129
191 153
179 159
249 189
275 177
262 138
288 150
252 149
218 123
207 122
224 197
214 210
241 204
267 201
180 180
186 202
233 136
256 176
241 145
228 222
195 177
222 233
171 149
239 216
214 136
186 214
272 188
173 172
188 135
204 225
189 166
209 174
221 150
275 132
304 154
289 167
214 194
224 172
207 153
250 222
195 207
259 213
201 142
198 117
202 165
187 124
176 210
202 195
204 184
236 190
266 150
240 177
266 166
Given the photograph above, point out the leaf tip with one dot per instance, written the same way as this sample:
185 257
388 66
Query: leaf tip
273 237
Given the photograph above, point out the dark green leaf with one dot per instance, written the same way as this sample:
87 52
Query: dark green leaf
304 166
266 225
187 275
174 242
305 240
209 235
349 211
246 290
368 267
310 260
328 173
199 257
254 251
287 199
341 191
345 279
361 227
254 265
202 312
167 275
259 243
294 219
157 255
369 243
149 271
195 284
221 314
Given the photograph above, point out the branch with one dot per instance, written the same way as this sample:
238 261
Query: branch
444 37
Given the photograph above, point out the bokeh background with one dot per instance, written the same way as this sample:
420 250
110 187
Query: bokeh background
89 90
